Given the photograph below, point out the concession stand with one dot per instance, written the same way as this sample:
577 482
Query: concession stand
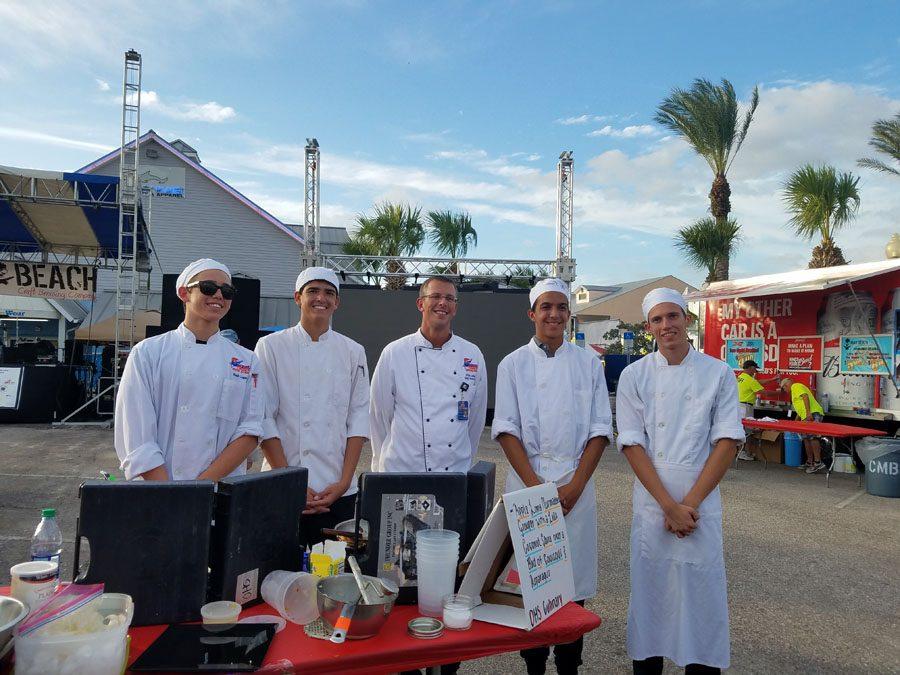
834 329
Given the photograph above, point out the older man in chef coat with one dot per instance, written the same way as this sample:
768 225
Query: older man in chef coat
679 425
429 392
187 406
317 402
552 419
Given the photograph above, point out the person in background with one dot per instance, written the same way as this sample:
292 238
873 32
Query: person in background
808 409
679 426
188 405
552 419
748 391
317 403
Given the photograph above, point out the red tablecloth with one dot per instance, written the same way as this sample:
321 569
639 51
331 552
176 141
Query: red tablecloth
815 428
393 650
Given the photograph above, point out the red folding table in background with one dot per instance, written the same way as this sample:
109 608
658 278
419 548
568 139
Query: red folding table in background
834 431
393 649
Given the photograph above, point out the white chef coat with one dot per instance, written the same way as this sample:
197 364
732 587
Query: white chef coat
317 395
554 406
181 403
428 405
678 607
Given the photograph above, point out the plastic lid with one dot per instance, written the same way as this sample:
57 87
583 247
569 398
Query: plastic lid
48 513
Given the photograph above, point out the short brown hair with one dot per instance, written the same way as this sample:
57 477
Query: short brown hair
437 277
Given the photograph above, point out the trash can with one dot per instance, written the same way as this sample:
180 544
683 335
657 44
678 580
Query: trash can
881 457
793 449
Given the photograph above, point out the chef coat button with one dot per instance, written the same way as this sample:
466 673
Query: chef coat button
543 385
454 351
427 419
429 469
446 468
454 372
662 394
306 452
306 424
659 454
421 371
305 395
661 425
454 395
429 445
184 408
452 419
449 445
688 397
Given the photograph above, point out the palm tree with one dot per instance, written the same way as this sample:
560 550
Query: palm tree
708 244
706 116
362 248
821 202
885 139
451 234
394 230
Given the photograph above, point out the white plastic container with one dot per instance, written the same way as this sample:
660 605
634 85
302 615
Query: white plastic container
458 611
34 582
221 611
292 595
99 653
437 553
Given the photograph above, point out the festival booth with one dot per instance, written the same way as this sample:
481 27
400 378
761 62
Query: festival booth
816 326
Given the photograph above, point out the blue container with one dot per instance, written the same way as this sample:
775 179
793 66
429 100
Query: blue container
793 449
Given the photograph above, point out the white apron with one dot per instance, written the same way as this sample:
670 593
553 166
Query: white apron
678 607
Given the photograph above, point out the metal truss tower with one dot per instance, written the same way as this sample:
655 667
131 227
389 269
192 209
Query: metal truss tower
310 256
129 198
564 267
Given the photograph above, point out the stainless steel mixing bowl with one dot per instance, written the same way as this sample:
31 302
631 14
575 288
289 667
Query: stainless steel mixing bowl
12 612
334 592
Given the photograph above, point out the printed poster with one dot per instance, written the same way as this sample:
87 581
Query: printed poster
800 354
863 355
10 387
739 350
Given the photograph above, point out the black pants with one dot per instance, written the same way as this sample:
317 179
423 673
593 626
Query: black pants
567 656
446 669
654 666
311 526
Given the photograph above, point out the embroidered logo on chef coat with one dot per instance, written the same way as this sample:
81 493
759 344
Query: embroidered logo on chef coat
239 368
470 365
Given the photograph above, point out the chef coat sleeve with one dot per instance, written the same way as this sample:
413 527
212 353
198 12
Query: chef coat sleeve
601 415
268 390
358 414
506 403
381 405
629 412
136 426
250 423
726 416
478 408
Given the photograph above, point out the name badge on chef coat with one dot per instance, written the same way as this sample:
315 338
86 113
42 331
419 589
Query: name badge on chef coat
462 411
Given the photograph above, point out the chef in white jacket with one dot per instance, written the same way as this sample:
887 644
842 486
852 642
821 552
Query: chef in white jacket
678 426
552 419
187 406
317 402
429 392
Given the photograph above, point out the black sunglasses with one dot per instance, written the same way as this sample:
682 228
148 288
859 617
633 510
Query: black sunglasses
210 287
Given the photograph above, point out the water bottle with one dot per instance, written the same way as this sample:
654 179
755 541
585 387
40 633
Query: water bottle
46 544
826 403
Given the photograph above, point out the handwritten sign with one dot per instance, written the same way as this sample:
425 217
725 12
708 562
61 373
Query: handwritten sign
801 354
541 546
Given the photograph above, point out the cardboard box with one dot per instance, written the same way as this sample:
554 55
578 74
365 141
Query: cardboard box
767 443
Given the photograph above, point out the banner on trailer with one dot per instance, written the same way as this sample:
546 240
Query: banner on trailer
867 354
48 280
800 354
738 351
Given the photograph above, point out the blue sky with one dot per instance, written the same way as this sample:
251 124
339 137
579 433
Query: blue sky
466 105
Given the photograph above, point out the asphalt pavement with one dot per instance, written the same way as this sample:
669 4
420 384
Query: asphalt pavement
812 571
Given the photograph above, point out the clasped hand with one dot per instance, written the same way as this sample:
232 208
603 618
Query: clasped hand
681 520
322 501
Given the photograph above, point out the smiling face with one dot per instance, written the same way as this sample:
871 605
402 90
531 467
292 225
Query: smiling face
317 300
667 323
551 316
209 308
437 310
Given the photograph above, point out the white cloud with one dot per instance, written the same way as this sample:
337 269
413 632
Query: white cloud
632 131
581 119
29 136
102 85
199 112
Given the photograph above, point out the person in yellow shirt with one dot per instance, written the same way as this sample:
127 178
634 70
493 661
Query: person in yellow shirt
808 409
748 391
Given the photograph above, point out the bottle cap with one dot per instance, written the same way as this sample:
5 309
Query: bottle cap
48 513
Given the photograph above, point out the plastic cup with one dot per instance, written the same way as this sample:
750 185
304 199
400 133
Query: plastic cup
222 611
292 595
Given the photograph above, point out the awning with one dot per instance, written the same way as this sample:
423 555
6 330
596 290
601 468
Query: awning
62 213
798 281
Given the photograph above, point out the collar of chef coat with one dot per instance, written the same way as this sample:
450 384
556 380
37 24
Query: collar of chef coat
422 341
660 360
301 331
190 338
535 348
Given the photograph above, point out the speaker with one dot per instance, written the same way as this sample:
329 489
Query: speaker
243 317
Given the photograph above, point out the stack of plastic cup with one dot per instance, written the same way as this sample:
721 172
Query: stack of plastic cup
437 553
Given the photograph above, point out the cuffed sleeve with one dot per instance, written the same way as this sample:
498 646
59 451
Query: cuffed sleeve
135 419
726 416
629 413
268 398
601 414
251 419
507 419
358 414
381 406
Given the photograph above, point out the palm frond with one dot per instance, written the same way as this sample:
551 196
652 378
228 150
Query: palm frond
877 165
707 243
820 200
886 140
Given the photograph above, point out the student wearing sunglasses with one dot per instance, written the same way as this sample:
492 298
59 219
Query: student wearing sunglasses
188 405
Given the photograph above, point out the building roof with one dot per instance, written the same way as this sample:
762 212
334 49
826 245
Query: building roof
194 164
797 281
618 290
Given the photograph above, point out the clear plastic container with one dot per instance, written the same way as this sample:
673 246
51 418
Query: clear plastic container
458 611
46 544
222 611
292 594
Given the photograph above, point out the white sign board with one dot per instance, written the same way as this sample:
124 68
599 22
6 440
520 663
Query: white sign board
48 280
532 521
10 388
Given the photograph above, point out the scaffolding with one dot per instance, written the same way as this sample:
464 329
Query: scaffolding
311 235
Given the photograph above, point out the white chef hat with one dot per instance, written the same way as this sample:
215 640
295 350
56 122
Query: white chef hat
545 286
658 296
317 274
194 268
